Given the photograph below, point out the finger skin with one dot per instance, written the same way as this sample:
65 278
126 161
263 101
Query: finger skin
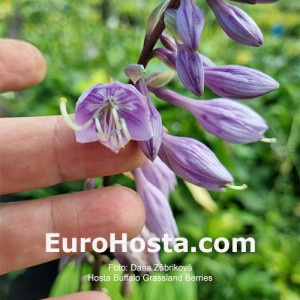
94 213
21 65
83 296
42 151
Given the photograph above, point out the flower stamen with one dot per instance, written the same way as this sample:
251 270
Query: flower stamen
69 121
125 129
269 140
236 187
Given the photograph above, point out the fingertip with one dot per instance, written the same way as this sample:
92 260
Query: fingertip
129 211
22 65
92 295
122 211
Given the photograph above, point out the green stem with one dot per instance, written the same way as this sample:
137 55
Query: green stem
154 36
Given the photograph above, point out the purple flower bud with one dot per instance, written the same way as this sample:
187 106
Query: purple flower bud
151 146
89 184
207 62
168 42
265 1
78 258
170 22
236 23
255 1
238 82
159 216
194 162
166 56
159 174
142 259
112 114
190 69
189 23
245 1
229 120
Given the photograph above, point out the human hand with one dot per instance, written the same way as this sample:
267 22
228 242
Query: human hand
41 151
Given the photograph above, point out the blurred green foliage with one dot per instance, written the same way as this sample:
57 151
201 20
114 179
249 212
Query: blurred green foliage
85 42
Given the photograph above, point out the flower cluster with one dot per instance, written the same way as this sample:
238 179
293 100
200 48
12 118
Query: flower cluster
116 113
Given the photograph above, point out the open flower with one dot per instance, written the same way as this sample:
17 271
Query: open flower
112 114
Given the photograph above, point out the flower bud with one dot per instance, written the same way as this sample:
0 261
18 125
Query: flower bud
207 62
142 259
155 16
159 79
134 72
159 216
168 42
245 1
190 69
255 1
166 56
170 22
189 23
89 184
194 162
151 146
159 174
236 23
238 82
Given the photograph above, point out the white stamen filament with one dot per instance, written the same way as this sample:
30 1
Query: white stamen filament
236 187
125 129
69 121
269 140
120 138
100 133
113 139
116 118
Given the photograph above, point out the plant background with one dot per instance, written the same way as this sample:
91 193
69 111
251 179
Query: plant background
85 42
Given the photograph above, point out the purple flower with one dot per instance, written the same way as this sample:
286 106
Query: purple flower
190 69
189 23
238 82
159 216
159 174
194 162
227 119
112 114
151 147
236 23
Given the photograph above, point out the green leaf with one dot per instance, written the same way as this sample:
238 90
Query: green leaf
177 288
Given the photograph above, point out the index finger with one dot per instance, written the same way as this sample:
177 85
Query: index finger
21 65
42 151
